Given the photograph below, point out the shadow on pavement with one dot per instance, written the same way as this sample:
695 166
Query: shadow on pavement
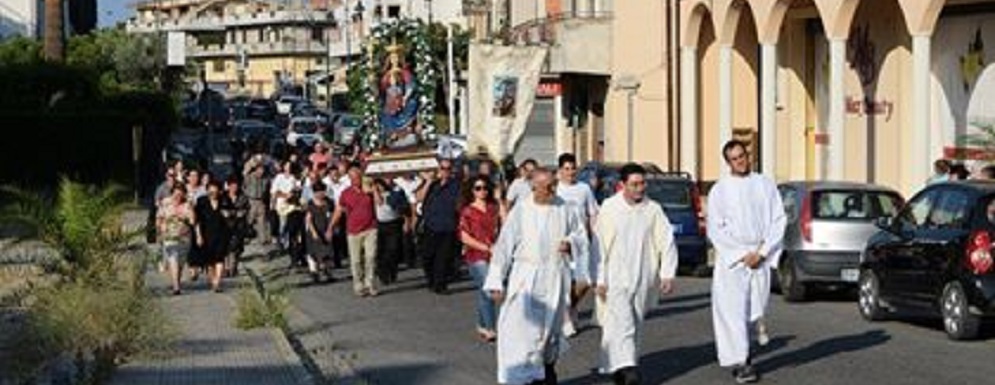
824 349
397 374
675 310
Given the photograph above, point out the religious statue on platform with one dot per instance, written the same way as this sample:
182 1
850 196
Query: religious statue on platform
398 100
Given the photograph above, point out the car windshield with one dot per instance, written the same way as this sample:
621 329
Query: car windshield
305 127
351 121
669 194
854 204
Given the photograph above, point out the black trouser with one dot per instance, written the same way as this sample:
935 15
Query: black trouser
408 251
389 242
438 256
626 376
550 376
340 245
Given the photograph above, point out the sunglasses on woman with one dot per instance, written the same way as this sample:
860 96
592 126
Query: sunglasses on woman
479 187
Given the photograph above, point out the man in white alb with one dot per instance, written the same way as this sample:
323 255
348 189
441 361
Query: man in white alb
746 223
638 255
532 254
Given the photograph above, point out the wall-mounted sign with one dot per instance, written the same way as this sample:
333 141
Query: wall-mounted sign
869 107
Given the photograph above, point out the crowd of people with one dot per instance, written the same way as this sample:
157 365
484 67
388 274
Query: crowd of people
534 247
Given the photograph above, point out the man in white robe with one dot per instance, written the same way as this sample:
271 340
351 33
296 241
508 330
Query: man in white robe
581 197
638 255
746 223
532 254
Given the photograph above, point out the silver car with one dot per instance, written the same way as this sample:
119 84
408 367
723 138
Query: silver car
828 225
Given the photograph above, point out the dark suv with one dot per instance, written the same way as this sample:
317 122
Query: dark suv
677 193
935 255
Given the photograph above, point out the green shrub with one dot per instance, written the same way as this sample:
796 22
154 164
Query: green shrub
262 310
94 307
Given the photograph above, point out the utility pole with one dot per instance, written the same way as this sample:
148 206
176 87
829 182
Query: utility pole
429 5
329 20
452 79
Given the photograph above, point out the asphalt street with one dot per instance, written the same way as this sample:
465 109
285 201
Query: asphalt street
409 336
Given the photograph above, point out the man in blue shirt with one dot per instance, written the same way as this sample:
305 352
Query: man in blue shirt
438 242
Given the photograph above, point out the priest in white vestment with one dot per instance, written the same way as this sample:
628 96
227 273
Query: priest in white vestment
530 276
638 256
746 223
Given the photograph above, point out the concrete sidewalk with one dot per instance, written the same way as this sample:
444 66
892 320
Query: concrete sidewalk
210 349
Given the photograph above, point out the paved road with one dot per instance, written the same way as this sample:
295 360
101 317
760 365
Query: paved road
408 336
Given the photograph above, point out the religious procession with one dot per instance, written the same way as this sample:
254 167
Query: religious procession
423 192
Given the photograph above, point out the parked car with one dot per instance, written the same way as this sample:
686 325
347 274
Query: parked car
677 193
262 109
247 130
936 254
346 127
304 130
285 104
828 225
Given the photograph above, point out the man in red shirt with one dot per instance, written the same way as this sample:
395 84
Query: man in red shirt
356 203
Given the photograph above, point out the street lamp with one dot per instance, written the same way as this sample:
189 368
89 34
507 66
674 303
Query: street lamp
630 84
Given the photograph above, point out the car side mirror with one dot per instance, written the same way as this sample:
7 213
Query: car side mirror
886 223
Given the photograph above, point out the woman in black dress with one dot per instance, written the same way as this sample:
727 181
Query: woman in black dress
319 248
212 234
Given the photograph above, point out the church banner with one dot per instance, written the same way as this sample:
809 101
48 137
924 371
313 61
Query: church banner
503 82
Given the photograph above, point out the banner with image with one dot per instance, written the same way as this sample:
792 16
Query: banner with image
502 85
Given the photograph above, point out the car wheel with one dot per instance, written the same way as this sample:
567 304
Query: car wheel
958 321
791 289
869 296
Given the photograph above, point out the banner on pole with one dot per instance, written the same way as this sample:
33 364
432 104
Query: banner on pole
176 49
502 85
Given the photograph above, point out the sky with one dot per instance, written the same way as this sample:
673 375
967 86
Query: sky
109 12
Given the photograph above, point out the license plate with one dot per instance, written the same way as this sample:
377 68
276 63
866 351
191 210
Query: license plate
849 275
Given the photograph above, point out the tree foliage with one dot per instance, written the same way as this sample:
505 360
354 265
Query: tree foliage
98 309
20 51
122 61
81 223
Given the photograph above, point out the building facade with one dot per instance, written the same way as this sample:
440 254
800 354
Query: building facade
858 90
251 47
19 18
569 110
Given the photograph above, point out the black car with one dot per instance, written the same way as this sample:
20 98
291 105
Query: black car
935 255
677 193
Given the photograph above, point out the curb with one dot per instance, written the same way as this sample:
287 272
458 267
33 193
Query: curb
301 375
337 370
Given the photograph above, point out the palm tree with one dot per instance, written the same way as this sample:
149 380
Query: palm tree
82 224
54 30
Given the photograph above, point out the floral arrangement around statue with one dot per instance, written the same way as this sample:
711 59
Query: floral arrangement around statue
399 79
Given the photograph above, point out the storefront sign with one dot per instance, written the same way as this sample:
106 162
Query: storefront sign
869 107
549 89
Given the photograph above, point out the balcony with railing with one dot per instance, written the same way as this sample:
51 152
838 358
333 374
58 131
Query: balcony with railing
220 23
579 42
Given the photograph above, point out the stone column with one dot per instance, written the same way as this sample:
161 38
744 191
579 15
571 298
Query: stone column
768 108
689 110
837 136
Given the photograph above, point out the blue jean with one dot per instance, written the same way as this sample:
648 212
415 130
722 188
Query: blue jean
485 305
